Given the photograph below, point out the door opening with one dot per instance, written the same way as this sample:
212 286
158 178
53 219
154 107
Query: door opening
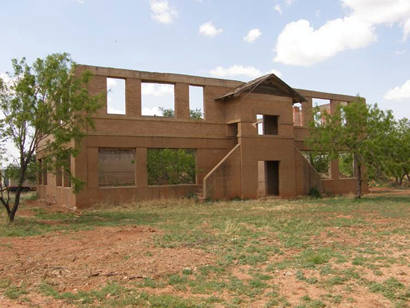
268 178
272 177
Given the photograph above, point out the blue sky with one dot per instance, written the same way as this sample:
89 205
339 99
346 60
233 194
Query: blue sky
341 46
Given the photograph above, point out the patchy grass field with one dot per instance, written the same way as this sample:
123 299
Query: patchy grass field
274 253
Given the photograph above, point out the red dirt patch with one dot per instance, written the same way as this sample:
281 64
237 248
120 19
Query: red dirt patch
84 260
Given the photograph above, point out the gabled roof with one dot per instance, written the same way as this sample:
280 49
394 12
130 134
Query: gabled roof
268 84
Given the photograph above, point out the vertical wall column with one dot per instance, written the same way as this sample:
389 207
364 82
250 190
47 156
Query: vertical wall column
182 101
98 85
141 167
133 97
92 161
334 164
307 112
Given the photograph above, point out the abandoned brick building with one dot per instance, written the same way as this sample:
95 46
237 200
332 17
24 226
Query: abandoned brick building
248 143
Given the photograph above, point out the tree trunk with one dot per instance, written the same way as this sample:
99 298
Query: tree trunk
401 179
11 216
15 207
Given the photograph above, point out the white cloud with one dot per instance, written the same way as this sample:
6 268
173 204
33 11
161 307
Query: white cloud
240 71
278 9
300 44
80 1
154 89
399 92
162 12
289 2
152 111
406 29
252 35
208 29
379 11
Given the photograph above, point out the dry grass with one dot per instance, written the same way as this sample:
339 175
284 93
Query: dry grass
335 252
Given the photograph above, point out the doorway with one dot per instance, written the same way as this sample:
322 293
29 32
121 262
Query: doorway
272 177
268 178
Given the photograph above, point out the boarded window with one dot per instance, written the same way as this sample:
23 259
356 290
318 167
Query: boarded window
116 167
196 102
157 99
267 124
171 166
115 96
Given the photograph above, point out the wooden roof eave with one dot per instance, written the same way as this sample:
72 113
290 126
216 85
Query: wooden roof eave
253 85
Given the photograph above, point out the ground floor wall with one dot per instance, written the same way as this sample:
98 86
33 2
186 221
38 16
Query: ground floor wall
343 186
242 175
208 152
53 194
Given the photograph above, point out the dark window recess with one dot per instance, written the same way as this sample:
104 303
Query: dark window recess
270 125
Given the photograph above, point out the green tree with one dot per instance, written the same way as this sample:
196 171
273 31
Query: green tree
396 153
171 166
195 114
354 128
46 108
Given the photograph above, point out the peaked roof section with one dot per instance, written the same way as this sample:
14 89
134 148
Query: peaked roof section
268 84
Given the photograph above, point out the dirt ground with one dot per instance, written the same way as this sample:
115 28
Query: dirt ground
86 260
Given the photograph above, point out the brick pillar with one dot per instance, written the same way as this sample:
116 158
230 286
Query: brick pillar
334 169
307 111
92 163
182 101
133 97
98 85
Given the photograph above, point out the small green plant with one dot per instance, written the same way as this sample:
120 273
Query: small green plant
315 193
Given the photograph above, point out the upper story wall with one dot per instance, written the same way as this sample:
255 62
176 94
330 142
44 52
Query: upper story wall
212 88
216 113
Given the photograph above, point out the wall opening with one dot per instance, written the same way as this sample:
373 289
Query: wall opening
116 167
157 99
346 168
116 96
320 162
233 131
272 178
171 166
196 102
297 114
323 105
268 178
267 124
